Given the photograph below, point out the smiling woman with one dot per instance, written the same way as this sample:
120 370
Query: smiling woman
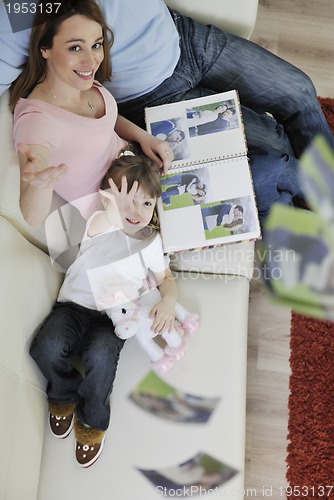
50 27
72 63
60 106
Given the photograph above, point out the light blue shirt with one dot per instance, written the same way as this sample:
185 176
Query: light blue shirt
144 54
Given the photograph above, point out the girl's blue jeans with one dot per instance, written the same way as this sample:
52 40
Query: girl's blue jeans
214 61
69 330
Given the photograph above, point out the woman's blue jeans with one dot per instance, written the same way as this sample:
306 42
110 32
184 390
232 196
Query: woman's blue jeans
214 61
72 329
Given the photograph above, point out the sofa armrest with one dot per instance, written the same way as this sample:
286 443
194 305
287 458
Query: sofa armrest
238 17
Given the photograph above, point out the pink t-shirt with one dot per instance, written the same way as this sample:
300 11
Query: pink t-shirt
86 145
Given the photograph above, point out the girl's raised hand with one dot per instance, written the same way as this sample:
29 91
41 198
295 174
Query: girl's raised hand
122 199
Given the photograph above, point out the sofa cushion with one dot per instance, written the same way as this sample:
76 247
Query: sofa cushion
29 287
22 417
238 16
214 366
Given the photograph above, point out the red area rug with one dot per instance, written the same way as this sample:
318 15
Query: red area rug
310 460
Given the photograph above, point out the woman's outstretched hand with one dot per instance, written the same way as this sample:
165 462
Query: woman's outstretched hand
36 172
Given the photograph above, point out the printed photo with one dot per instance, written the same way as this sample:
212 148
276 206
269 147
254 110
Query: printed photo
173 132
201 473
228 217
165 401
298 261
184 189
212 118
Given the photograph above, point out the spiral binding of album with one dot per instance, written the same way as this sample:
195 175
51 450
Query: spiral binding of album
207 162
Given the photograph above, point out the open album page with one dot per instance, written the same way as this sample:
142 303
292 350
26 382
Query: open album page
201 129
208 206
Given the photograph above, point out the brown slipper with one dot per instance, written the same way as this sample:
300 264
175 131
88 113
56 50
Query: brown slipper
88 444
61 417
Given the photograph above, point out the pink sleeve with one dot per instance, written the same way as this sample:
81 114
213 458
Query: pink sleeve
32 126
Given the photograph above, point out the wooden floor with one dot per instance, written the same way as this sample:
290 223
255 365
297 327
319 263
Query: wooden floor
300 31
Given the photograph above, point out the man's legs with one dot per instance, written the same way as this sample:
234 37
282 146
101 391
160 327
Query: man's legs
213 61
275 178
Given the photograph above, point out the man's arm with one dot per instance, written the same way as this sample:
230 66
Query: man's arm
13 50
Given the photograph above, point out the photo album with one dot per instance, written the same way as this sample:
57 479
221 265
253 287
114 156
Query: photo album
207 197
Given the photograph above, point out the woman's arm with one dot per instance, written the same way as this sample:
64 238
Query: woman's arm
159 151
164 311
37 181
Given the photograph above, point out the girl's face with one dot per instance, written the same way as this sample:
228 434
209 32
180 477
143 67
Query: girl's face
141 214
76 54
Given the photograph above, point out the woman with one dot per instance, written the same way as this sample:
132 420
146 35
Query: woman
66 131
66 127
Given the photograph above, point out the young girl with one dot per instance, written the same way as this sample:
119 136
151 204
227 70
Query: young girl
120 249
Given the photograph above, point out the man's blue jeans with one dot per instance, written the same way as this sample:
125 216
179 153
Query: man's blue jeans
71 329
214 61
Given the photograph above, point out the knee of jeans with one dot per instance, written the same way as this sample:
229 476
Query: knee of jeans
48 347
302 89
106 352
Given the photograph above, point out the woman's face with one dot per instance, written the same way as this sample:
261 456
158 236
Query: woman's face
76 54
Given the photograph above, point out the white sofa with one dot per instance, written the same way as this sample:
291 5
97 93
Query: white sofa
214 283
